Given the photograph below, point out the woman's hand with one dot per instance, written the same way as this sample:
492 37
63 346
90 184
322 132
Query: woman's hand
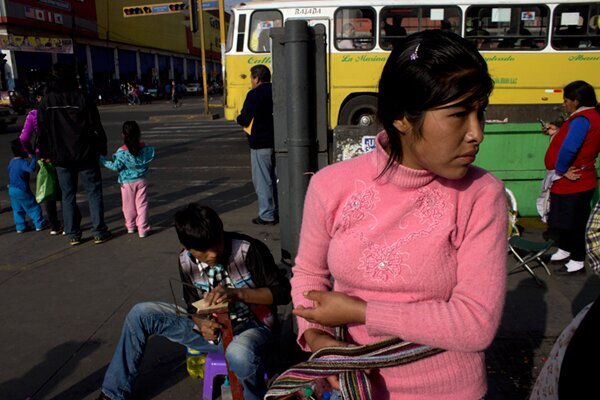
573 173
550 129
332 309
316 340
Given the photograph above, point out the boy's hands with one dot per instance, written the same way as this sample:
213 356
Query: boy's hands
222 294
208 328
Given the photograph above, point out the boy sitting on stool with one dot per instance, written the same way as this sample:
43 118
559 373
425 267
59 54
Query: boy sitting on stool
222 266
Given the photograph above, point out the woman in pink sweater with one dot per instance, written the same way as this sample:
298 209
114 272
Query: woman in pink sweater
413 235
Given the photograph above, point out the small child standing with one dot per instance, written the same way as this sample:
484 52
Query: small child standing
131 162
22 199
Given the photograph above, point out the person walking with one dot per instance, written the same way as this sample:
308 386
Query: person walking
574 149
72 136
257 119
29 139
131 161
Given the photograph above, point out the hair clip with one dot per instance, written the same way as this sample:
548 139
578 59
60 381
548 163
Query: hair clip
415 54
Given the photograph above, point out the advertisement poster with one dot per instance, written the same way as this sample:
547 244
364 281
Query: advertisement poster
36 44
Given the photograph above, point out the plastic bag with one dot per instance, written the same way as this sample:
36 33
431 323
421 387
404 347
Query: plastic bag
46 182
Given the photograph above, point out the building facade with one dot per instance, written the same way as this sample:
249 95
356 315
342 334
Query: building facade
108 46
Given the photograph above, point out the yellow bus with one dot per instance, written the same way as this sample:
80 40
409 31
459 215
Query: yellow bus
533 48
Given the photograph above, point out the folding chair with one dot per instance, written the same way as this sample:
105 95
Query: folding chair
527 252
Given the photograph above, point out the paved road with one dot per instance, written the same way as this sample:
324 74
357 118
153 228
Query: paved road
63 307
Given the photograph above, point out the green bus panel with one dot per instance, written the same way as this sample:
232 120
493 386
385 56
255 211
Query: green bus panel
515 154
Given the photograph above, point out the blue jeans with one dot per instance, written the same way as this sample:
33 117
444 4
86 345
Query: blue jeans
265 183
23 203
91 179
244 354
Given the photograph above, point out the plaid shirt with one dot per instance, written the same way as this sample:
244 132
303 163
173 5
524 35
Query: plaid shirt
592 239
218 275
249 265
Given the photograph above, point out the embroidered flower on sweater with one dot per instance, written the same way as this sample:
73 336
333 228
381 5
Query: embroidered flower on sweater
360 204
383 263
430 207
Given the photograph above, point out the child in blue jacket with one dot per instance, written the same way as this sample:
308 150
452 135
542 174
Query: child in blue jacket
22 199
131 162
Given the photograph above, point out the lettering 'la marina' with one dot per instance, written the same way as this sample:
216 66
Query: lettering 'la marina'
367 58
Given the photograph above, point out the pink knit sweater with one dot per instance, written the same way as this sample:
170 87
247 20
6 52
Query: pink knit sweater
427 254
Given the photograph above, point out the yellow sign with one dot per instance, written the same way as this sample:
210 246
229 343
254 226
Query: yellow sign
154 9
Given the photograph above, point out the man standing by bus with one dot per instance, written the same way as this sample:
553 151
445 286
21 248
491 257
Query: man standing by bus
257 119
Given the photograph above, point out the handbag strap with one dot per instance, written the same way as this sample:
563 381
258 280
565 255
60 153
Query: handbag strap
350 363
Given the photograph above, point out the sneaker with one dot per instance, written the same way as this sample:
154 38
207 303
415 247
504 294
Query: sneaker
44 226
130 231
74 241
55 232
145 234
260 221
21 231
101 239
560 255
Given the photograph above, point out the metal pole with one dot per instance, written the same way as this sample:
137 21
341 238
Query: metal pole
300 137
223 44
203 56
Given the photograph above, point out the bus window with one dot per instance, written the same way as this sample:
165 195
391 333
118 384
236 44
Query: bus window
576 26
261 23
354 28
230 32
506 27
240 36
397 22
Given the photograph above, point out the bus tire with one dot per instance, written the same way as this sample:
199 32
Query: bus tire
361 110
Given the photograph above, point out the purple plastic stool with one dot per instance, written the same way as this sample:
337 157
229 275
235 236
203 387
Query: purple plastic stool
215 365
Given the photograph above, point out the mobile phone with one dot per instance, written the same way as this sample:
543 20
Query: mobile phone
541 121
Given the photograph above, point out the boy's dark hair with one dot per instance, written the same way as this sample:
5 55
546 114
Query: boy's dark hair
131 137
425 70
583 92
198 227
17 148
261 72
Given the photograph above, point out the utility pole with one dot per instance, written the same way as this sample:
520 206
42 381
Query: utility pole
203 56
222 38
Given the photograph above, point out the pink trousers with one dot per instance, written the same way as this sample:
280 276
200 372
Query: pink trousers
135 206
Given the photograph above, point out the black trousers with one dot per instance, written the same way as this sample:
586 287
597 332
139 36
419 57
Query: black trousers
568 219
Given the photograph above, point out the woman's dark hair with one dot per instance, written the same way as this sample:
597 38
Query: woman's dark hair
17 148
425 70
261 72
583 92
198 227
131 137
